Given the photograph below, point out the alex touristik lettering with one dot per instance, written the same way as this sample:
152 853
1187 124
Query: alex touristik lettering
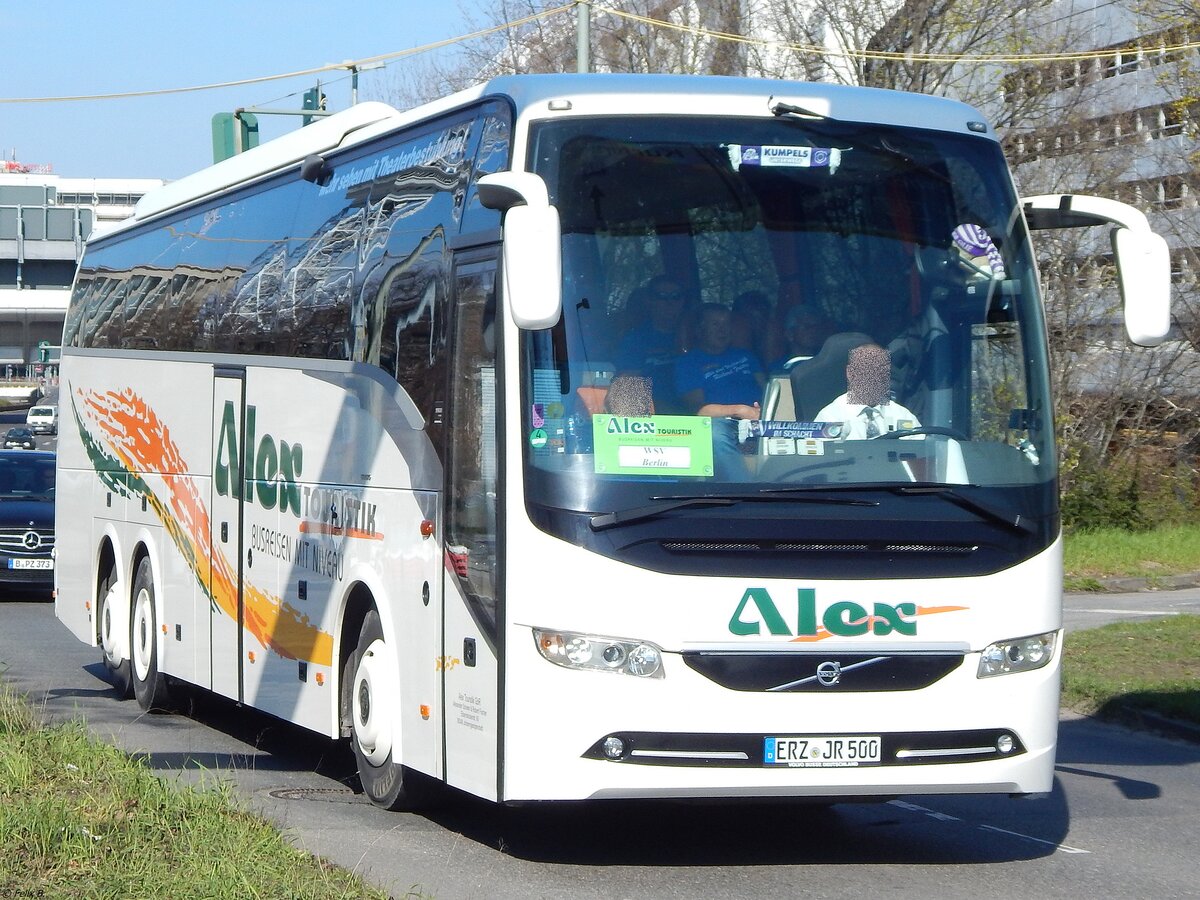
846 618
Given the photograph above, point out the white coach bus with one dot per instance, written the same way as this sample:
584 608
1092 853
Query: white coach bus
424 429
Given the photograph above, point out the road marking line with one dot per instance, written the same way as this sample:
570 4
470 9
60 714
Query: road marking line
1063 847
912 807
944 817
1131 612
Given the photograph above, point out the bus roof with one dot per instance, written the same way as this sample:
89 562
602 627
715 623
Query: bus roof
632 94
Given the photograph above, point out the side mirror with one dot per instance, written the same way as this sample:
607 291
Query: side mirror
1144 275
531 261
1142 257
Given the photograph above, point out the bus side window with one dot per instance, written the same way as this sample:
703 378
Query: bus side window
471 442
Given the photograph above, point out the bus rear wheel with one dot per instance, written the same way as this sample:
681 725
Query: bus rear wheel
373 703
112 623
149 684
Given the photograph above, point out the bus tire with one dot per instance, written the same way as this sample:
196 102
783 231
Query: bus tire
112 622
374 707
149 684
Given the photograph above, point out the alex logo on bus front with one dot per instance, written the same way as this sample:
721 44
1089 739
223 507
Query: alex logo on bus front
273 465
845 619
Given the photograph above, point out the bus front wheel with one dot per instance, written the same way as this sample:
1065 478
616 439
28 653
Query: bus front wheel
374 707
149 684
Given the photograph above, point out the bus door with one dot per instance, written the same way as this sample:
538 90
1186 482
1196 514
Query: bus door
225 612
471 602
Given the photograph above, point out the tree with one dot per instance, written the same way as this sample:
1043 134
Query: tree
1068 124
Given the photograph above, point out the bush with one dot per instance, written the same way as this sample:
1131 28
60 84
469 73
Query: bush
1104 497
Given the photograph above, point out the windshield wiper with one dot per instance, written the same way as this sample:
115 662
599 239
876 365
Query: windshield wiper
668 504
781 109
1013 521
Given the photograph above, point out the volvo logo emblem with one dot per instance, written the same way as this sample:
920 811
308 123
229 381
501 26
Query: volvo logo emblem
32 540
829 673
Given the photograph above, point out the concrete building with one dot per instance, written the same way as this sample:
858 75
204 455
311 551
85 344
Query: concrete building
1119 119
44 221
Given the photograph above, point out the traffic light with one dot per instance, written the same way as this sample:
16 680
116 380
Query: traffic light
233 133
313 99
43 351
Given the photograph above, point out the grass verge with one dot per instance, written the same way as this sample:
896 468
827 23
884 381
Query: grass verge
79 818
1117 671
1108 553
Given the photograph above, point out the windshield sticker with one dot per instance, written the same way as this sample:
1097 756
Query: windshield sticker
752 428
653 445
774 156
538 438
790 438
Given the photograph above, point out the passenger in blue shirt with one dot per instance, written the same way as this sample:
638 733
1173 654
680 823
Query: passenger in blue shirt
715 379
723 382
651 349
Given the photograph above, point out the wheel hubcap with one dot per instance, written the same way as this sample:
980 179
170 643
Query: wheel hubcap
143 635
373 701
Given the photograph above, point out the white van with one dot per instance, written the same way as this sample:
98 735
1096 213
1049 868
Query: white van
42 419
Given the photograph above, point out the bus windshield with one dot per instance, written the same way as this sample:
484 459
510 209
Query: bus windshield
789 303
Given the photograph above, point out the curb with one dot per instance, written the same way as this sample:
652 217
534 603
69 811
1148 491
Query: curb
1135 585
1148 721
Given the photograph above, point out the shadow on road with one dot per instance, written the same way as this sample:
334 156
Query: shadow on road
668 833
948 830
271 744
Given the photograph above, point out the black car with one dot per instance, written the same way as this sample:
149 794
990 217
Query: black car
26 519
19 439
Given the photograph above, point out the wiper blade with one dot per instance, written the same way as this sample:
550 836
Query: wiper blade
1013 521
638 513
790 109
668 504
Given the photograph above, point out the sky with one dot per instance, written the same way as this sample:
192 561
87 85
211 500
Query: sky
67 48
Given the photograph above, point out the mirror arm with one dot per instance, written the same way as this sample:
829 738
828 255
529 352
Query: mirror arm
1045 211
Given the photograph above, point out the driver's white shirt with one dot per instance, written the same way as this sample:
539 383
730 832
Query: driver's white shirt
888 416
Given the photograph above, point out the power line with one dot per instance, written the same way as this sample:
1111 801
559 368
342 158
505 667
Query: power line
897 56
316 70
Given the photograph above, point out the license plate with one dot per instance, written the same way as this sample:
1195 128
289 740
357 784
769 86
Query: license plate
31 564
826 751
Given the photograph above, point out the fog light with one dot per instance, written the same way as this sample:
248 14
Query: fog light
614 747
1004 743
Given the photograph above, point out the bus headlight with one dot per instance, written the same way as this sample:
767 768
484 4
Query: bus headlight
601 654
1017 655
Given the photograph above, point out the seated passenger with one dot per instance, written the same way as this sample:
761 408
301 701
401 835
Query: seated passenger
629 395
867 409
804 332
721 382
717 380
650 348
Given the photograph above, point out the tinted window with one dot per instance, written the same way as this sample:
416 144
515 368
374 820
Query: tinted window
353 269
